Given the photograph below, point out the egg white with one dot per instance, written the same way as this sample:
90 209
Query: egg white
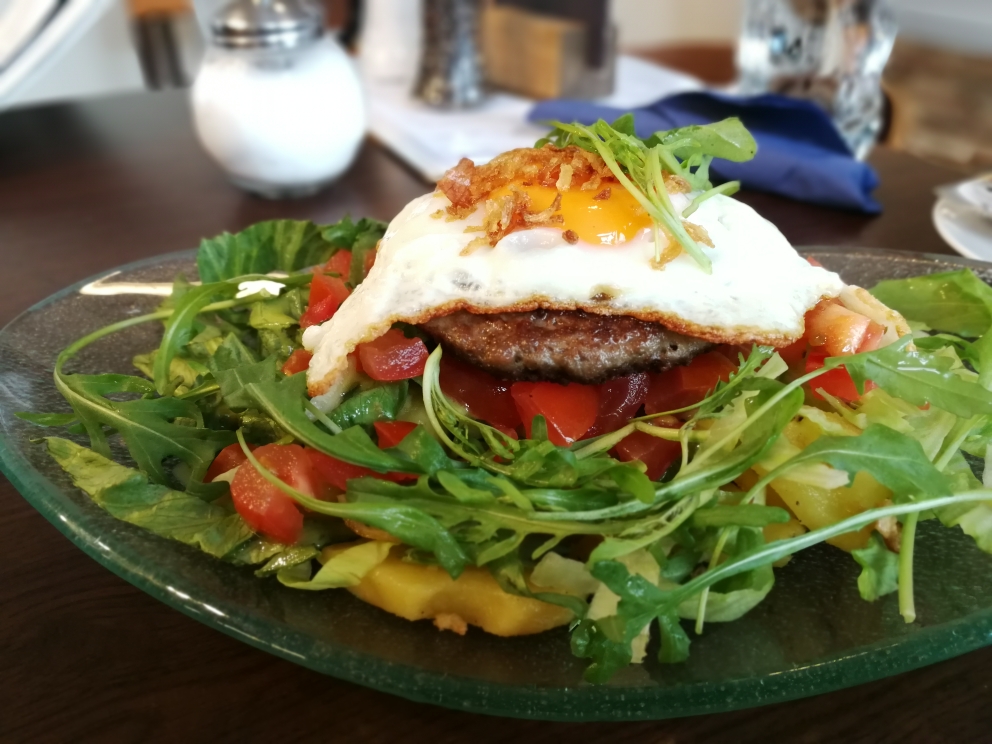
759 289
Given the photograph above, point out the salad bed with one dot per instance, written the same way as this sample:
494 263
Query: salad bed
505 503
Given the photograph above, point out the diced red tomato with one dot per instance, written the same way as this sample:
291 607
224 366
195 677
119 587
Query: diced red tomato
793 353
393 356
838 330
263 505
813 262
683 386
872 338
837 382
298 361
657 454
569 410
391 433
340 264
227 459
332 471
326 295
484 396
619 401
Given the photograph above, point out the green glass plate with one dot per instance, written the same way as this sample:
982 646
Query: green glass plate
811 635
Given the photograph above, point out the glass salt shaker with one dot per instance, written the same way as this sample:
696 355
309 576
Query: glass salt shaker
277 102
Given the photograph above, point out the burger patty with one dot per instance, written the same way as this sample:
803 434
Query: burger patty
562 346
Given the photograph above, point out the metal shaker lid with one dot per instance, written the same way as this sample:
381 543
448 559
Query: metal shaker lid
267 24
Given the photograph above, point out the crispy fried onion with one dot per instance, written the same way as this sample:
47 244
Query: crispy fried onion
512 211
468 184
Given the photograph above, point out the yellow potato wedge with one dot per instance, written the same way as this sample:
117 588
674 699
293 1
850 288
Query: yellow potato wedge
418 592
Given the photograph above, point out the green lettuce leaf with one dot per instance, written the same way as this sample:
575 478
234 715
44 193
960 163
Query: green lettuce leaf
879 569
345 568
918 378
277 245
954 301
214 528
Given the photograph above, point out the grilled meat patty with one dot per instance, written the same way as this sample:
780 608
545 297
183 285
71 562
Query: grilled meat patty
562 346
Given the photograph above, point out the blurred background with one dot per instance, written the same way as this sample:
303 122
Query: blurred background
938 80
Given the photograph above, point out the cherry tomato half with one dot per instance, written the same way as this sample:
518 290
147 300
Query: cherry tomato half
227 459
262 504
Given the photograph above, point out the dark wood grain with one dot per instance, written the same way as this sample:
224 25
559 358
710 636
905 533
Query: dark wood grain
86 657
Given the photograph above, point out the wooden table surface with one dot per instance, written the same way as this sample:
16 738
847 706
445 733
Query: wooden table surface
85 187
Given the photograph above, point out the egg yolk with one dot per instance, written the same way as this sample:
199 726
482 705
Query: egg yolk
608 221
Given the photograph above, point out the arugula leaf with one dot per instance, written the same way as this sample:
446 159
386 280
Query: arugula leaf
182 375
49 419
231 354
234 381
731 598
125 493
895 460
774 551
608 657
178 327
641 602
917 377
147 426
380 403
879 569
743 515
953 301
283 401
727 139
675 642
639 164
423 450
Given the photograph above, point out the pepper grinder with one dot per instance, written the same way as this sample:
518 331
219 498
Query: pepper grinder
277 102
451 69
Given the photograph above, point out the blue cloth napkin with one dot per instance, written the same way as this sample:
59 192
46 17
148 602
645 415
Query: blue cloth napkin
800 153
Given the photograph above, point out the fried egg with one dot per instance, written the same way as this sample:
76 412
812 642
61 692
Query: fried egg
598 259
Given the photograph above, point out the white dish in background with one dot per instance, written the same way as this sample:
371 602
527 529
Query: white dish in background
54 37
20 20
963 228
